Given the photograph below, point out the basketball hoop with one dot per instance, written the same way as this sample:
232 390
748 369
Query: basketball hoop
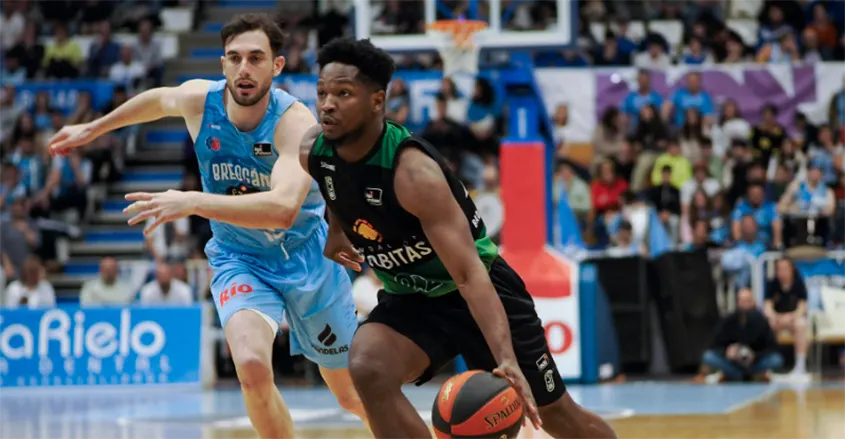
458 49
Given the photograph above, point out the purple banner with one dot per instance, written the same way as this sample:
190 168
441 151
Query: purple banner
756 88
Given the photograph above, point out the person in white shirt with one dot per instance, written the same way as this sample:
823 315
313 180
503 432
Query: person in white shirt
731 126
623 243
107 289
128 71
701 181
365 290
32 290
165 290
654 58
148 51
170 241
12 25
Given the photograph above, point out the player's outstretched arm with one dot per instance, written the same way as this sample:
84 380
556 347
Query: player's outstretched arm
289 184
422 189
184 100
273 209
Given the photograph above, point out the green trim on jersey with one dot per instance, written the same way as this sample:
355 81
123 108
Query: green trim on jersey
431 278
397 268
393 135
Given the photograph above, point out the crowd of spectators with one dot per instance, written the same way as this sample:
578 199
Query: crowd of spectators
715 179
719 183
698 31
784 32
45 199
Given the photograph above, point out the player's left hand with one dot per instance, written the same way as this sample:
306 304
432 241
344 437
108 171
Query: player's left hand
511 372
163 206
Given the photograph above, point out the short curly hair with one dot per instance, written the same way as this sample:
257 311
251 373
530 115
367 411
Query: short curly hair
375 66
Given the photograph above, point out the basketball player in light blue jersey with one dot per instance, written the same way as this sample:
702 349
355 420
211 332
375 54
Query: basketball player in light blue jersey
267 249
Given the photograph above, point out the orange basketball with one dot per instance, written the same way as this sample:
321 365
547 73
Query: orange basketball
477 404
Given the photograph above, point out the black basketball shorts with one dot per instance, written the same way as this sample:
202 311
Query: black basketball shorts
444 328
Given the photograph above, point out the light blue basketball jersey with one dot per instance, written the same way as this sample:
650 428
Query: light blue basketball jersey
810 199
235 163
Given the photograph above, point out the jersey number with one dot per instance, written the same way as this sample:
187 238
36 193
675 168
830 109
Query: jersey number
416 282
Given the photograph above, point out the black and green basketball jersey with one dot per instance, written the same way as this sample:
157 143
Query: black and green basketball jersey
361 196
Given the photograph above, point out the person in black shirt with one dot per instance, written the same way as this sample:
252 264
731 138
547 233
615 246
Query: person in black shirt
786 308
768 136
666 200
745 345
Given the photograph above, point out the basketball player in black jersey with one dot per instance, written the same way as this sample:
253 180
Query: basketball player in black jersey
394 203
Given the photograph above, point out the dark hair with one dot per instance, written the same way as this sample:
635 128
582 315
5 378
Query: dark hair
608 117
756 185
722 119
487 95
788 261
375 66
770 108
244 23
665 169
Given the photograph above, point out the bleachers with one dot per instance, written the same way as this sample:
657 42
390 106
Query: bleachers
192 49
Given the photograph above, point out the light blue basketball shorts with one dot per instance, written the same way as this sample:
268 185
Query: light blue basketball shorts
314 292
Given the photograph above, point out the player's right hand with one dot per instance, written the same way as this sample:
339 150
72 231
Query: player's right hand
69 137
339 249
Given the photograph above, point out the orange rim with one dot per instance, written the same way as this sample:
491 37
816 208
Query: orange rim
461 30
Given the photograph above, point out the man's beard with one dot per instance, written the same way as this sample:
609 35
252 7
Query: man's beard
247 101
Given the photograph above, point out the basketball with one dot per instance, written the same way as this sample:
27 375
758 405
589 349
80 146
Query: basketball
477 404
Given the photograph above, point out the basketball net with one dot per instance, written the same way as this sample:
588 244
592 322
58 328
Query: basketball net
456 45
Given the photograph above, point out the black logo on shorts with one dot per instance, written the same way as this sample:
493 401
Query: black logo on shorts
327 337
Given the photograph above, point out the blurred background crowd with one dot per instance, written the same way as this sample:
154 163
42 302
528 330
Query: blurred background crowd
715 177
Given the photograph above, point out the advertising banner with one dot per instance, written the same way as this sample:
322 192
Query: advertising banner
99 346
828 271
65 95
804 88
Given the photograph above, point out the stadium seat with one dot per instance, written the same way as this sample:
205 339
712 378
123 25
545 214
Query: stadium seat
598 30
744 8
636 30
672 30
747 30
830 326
177 19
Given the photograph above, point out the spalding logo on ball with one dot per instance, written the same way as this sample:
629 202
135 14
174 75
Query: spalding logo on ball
477 404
